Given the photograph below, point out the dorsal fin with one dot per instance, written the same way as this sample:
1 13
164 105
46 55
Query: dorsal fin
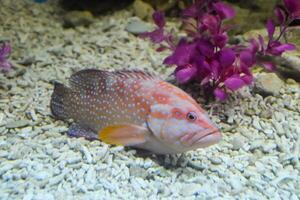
89 79
97 80
136 74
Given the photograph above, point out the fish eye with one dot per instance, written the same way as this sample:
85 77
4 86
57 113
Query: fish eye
191 116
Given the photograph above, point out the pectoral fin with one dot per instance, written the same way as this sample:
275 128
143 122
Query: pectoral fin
123 134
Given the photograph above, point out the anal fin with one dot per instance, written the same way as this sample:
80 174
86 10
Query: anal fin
124 134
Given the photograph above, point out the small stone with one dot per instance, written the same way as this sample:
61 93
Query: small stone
256 123
137 27
57 179
237 142
86 154
73 160
235 183
268 132
138 172
268 84
215 160
78 18
17 124
1 117
42 175
142 9
267 148
290 81
190 189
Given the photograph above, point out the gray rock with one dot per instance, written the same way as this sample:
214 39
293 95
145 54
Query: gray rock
142 10
17 124
268 84
137 27
289 66
78 18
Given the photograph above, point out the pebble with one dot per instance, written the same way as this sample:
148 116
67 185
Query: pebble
17 124
41 175
137 27
86 154
269 147
138 172
279 128
1 117
235 183
256 123
215 160
268 84
57 179
190 189
73 160
78 18
237 142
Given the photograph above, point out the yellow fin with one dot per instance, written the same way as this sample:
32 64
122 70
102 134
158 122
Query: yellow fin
123 134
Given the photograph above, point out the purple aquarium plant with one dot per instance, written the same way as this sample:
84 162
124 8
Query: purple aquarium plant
204 54
5 50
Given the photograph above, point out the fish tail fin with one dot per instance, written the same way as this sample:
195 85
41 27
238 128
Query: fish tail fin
58 97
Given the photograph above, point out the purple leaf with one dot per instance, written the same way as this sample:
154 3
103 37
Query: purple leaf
159 19
234 83
220 40
185 74
280 15
182 54
193 11
215 69
269 66
285 47
5 51
276 48
293 6
261 42
226 57
254 46
156 36
220 94
247 79
206 48
224 11
246 58
210 22
271 29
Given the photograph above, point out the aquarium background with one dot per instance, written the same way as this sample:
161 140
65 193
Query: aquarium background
258 157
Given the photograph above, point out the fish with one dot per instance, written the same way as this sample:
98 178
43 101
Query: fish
133 108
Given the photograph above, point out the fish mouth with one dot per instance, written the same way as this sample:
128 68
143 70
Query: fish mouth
208 139
202 139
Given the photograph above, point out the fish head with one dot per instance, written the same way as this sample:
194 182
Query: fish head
182 125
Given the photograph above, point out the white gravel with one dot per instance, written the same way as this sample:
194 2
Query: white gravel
258 157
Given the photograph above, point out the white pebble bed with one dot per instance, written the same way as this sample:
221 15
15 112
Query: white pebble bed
258 157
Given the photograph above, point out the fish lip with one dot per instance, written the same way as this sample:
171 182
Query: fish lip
206 135
190 140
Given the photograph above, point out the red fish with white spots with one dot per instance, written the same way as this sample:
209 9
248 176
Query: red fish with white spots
133 108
